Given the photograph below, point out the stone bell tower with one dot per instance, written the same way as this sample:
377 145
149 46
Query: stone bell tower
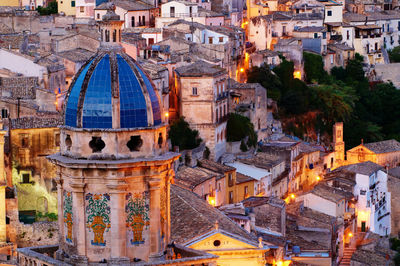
114 169
338 144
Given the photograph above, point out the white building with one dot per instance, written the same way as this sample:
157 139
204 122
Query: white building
186 10
263 177
327 200
373 205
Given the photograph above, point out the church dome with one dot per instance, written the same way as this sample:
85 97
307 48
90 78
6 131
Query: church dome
112 91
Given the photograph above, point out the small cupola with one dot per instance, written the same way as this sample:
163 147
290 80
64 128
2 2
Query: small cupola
110 27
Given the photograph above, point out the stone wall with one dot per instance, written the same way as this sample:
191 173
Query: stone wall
37 234
394 188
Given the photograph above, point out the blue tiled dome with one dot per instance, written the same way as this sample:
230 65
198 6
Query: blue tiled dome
110 80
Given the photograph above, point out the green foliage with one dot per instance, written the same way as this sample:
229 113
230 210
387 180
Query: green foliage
49 216
369 113
394 244
240 127
394 54
314 67
354 69
267 79
335 101
396 259
183 136
52 8
339 73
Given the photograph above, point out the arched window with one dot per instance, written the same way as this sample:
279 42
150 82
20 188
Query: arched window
144 20
107 36
114 35
133 21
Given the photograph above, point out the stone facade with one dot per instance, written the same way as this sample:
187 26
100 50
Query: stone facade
204 103
32 174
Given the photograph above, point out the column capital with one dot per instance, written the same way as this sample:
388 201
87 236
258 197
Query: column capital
154 183
117 188
77 187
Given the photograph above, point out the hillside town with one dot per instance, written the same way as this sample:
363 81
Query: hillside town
200 132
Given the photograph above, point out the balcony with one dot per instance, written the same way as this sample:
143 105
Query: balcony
223 95
179 15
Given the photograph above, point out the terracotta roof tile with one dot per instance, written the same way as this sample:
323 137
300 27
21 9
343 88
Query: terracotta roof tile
192 216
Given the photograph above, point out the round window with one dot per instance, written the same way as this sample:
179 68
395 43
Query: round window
217 243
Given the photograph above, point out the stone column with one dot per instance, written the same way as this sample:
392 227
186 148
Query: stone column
3 233
3 226
170 176
155 224
79 218
60 207
118 224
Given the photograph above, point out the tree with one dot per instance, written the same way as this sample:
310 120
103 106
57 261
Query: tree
354 68
335 101
238 128
267 79
394 54
183 136
52 8
314 67
339 73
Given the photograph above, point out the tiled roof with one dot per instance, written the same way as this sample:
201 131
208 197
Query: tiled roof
214 166
198 69
192 216
77 55
367 257
263 160
395 172
241 178
383 146
365 168
191 177
127 5
35 122
329 193
233 84
310 29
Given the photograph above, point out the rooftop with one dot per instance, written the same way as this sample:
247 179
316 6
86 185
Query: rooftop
365 168
77 55
241 178
263 160
214 166
366 257
310 29
192 216
383 146
126 5
330 193
198 69
395 172
35 122
191 177
249 170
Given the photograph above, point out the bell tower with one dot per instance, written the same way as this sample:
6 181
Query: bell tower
338 144
114 169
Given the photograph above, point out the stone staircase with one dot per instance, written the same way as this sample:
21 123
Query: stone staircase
347 253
